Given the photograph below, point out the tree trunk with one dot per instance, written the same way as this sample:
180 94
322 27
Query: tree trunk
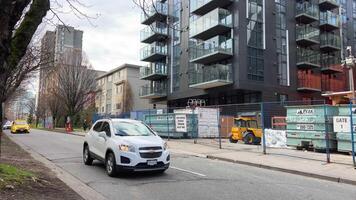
54 122
1 124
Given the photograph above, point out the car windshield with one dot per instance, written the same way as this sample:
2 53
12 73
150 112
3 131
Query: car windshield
20 123
131 129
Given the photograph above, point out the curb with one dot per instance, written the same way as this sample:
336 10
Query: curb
290 171
74 183
56 131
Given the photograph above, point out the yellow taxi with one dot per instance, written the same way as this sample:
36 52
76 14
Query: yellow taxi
20 126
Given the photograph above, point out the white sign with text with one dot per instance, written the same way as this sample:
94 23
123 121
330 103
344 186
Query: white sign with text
181 123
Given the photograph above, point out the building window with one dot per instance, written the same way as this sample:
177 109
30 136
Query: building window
110 78
118 74
108 94
108 108
255 64
255 40
282 98
281 43
118 106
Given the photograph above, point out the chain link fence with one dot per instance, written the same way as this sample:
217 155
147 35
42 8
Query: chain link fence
279 128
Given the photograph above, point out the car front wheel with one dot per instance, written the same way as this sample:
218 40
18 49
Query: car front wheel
88 160
110 164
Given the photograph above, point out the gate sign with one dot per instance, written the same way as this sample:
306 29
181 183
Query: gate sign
181 123
342 124
305 112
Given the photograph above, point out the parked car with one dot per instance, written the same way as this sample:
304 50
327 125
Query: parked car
125 145
20 126
7 125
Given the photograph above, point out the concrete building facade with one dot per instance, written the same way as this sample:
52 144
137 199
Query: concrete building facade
118 91
60 47
226 51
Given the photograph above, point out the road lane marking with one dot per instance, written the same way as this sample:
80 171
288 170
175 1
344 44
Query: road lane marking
188 171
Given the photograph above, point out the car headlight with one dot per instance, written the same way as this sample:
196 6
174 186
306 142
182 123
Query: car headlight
126 148
165 146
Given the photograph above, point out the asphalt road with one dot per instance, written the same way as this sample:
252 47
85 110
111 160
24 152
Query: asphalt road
188 178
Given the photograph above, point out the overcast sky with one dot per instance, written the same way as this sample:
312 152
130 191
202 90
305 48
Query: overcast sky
115 37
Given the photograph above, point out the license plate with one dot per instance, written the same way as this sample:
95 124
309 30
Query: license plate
21 130
151 162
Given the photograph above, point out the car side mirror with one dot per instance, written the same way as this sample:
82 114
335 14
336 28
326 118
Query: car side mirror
102 134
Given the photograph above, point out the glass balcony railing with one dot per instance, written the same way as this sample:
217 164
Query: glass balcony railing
211 76
153 32
308 58
329 4
329 19
153 90
153 11
153 71
331 63
200 7
308 33
307 11
214 49
213 23
153 52
329 42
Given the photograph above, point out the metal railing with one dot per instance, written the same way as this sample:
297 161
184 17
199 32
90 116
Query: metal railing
209 73
216 44
154 48
215 17
155 28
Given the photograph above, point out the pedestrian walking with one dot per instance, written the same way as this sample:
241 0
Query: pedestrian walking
85 125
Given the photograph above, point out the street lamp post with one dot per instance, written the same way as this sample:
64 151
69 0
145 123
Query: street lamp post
350 63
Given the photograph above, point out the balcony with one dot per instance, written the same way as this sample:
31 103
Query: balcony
155 32
329 21
307 59
154 90
332 84
216 22
328 4
211 76
329 42
153 52
155 12
331 64
213 50
201 7
154 71
307 35
307 13
308 82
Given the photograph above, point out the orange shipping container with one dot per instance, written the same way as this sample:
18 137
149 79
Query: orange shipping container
226 123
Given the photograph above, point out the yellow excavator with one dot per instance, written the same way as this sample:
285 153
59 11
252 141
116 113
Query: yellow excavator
247 130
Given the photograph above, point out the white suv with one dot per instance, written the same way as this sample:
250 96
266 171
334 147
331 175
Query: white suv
125 145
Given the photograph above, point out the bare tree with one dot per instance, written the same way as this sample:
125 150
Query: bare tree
19 20
128 97
30 104
55 106
74 84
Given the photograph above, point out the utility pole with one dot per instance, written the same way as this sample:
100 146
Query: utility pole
350 63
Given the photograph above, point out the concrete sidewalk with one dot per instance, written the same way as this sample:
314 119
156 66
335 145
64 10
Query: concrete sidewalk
296 162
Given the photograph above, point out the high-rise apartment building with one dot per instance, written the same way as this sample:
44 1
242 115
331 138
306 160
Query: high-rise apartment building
62 46
246 51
